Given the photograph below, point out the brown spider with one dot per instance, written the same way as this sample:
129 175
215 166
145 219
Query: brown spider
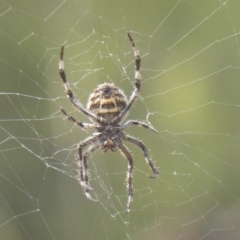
107 106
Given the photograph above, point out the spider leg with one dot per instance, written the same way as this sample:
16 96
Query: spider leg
82 166
85 167
128 155
145 153
135 93
137 62
74 101
80 124
137 123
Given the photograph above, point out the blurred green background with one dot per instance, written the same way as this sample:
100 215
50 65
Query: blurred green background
190 93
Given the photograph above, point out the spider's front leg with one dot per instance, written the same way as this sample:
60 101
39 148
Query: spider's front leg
136 91
137 62
83 167
70 94
128 155
63 75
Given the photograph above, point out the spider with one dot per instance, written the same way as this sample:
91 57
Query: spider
106 108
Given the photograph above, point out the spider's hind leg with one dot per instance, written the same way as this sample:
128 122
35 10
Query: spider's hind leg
145 153
128 155
83 166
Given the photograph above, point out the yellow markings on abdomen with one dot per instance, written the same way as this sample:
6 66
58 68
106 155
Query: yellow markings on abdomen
107 101
108 106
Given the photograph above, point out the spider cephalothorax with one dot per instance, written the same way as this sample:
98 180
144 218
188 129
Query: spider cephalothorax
107 106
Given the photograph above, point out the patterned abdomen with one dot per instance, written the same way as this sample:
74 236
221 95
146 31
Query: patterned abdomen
107 101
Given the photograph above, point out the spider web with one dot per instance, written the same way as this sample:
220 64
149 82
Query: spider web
190 93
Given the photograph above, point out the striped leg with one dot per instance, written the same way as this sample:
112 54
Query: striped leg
137 123
74 101
135 93
145 153
128 155
83 167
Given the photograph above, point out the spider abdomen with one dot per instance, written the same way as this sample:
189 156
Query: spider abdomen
107 101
